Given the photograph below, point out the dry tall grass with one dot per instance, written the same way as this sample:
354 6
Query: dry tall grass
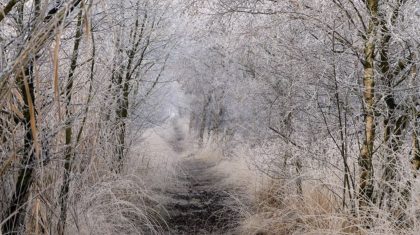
275 206
103 202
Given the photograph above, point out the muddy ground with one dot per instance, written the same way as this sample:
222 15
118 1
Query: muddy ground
197 201
199 204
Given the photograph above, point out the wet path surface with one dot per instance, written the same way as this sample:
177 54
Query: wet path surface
198 203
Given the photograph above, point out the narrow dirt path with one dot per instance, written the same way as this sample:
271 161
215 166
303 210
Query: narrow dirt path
197 201
199 204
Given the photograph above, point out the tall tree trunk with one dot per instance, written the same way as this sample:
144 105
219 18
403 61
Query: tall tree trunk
68 151
366 152
394 123
85 161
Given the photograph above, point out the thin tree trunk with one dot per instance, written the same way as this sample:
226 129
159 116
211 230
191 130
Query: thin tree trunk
193 122
122 115
203 121
89 98
415 154
16 213
68 152
124 87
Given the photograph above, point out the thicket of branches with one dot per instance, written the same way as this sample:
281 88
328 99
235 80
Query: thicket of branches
325 93
77 81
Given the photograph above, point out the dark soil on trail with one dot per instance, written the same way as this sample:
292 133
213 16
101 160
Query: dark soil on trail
197 201
199 204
